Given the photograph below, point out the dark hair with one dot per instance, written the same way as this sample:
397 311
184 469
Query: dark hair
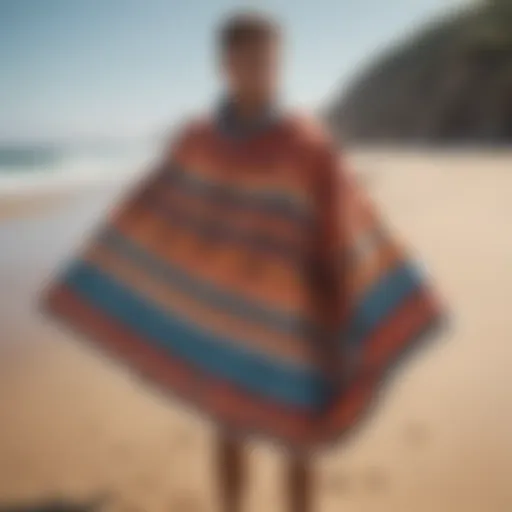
247 27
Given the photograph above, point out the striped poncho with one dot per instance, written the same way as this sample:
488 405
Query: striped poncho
251 277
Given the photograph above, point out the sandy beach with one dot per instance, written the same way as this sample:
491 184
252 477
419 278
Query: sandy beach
74 425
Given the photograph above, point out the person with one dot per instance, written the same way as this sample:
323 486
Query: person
250 57
250 275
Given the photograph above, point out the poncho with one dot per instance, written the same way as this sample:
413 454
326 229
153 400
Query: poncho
253 278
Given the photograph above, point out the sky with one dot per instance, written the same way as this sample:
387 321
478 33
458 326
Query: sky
130 68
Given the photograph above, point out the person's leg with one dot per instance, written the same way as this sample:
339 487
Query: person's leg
300 484
231 473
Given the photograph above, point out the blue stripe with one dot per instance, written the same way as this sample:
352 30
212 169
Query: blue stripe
278 382
388 294
204 292
276 203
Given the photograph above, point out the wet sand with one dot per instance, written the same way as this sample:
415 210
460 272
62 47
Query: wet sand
73 424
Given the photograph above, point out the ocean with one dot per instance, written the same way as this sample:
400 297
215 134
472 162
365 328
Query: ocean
45 165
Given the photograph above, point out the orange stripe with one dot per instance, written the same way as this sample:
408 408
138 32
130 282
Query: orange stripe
275 282
250 335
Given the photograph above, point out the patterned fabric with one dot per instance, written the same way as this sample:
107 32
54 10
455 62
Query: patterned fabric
254 279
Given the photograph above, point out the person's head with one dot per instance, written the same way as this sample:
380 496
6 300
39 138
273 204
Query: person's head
249 48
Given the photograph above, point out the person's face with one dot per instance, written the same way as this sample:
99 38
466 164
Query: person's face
251 70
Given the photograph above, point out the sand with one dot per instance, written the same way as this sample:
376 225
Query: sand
74 425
